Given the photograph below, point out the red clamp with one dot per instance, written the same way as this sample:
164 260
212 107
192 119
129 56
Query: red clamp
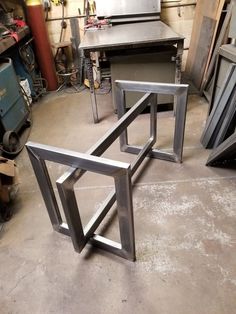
19 23
15 36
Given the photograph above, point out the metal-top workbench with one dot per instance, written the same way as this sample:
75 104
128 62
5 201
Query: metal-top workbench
129 36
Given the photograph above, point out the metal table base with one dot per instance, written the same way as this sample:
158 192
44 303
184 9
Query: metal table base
121 172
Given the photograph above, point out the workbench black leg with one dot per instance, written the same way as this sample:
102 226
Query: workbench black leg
178 66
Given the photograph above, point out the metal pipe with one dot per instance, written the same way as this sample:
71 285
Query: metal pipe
67 17
179 5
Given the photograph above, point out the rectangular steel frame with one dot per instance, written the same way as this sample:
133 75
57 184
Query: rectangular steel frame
121 172
180 93
219 109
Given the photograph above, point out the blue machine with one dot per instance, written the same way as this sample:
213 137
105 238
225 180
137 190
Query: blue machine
13 109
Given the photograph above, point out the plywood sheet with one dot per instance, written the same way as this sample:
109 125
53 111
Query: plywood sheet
204 9
204 43
232 29
222 39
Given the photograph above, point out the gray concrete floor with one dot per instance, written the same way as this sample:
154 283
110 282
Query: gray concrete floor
185 224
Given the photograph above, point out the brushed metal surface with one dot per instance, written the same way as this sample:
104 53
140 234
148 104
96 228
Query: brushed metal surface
129 35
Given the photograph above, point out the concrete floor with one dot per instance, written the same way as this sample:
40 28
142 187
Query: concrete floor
185 223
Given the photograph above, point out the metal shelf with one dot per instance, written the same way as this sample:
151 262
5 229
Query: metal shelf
9 42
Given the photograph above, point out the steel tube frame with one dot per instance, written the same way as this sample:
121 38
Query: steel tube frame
180 93
121 172
214 120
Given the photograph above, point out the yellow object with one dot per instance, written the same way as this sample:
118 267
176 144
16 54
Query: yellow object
86 83
33 2
56 2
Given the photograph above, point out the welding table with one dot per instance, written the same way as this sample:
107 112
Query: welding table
129 37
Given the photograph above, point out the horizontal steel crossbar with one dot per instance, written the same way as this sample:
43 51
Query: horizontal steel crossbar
121 172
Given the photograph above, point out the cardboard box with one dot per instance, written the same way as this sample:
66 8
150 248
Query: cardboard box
8 179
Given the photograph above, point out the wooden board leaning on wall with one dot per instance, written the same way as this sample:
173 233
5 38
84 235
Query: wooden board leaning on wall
205 26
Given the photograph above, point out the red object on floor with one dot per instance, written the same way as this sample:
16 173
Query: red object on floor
43 50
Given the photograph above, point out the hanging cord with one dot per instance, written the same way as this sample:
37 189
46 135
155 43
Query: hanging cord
63 25
27 55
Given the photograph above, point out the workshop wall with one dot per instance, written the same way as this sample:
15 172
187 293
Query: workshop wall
71 9
179 15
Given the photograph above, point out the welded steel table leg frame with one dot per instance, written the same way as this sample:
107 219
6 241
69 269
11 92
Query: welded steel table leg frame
121 172
180 93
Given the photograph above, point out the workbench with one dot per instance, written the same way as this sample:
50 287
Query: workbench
129 37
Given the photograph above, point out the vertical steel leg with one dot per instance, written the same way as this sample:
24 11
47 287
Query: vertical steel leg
46 188
178 67
89 68
181 109
125 214
153 118
120 105
69 203
178 61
